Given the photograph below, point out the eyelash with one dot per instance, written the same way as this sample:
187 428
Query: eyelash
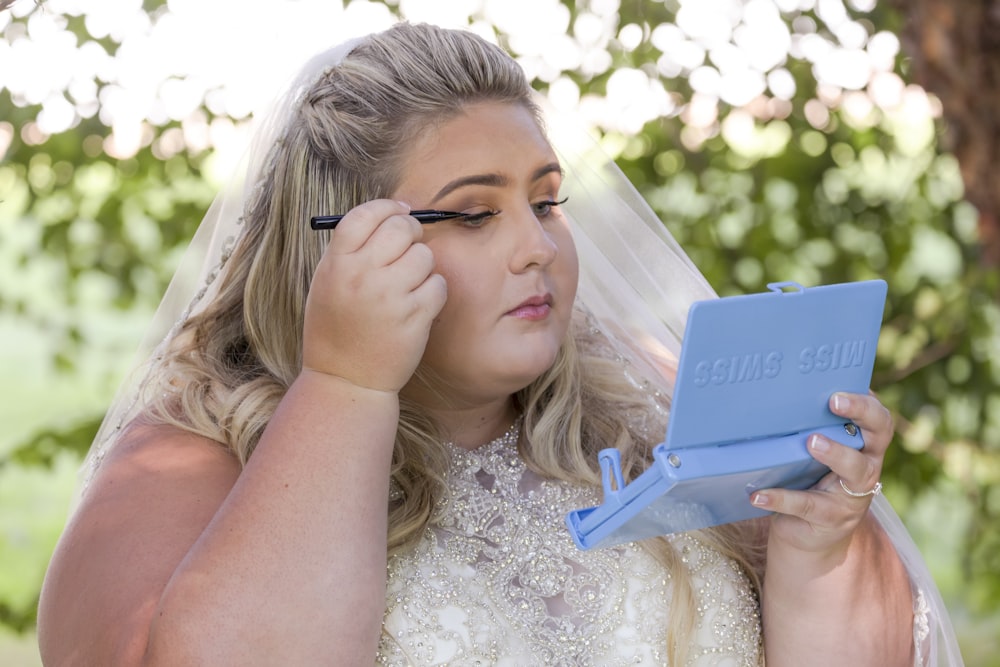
476 219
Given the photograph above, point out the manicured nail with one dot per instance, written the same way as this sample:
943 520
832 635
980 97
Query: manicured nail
760 499
841 402
818 444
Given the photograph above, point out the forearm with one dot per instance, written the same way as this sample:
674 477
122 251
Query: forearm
848 608
292 567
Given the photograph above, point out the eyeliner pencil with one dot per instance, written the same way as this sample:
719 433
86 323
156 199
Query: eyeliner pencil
423 217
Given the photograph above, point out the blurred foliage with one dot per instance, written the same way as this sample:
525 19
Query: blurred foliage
847 199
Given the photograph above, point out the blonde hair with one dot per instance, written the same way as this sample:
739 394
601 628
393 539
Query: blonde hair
230 365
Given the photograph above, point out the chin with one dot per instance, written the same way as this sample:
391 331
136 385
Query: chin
524 370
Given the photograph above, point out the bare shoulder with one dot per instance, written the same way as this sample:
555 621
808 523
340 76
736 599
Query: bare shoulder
152 497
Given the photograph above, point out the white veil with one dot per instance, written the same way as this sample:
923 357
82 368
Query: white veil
634 279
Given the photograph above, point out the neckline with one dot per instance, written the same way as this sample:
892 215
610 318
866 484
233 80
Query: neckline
506 440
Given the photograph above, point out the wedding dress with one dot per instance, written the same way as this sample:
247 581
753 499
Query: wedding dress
497 580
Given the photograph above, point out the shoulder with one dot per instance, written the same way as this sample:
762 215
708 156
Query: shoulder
165 449
156 465
148 503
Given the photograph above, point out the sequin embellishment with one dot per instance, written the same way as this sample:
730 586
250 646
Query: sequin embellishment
497 580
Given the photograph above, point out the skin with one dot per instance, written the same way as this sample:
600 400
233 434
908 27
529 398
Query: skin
511 277
179 557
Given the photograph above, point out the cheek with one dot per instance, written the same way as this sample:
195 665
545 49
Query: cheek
569 264
465 280
468 268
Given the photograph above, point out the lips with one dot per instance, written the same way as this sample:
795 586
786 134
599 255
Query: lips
535 308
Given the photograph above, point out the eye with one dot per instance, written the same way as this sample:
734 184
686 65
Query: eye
544 208
476 219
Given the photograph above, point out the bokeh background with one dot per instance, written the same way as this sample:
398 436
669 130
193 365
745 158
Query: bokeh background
810 140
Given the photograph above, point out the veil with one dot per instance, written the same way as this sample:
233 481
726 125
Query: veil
635 281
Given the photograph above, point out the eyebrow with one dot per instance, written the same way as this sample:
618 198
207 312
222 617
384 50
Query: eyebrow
493 180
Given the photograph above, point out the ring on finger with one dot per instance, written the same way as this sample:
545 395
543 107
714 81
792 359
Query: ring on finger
874 491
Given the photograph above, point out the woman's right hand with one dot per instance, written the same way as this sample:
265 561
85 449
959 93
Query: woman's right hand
372 300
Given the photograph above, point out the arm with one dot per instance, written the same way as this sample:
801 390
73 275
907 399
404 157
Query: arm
178 557
834 591
173 549
292 566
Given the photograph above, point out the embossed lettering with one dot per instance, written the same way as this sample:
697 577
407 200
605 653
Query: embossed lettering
738 368
823 358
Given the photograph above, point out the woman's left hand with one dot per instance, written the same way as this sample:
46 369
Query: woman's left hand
823 518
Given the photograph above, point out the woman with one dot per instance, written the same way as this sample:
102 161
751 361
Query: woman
359 446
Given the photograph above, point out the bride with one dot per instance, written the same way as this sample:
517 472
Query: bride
359 446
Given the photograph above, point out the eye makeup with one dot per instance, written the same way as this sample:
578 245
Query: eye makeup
423 217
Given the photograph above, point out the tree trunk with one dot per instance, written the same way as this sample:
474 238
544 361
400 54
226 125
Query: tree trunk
954 47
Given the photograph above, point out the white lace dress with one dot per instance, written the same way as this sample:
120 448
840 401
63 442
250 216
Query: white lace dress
497 580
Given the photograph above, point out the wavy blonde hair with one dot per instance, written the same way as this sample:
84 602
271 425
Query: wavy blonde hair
229 366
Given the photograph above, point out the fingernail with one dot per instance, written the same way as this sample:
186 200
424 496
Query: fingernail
818 444
760 499
841 402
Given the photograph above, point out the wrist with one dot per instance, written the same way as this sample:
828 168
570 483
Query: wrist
792 572
334 397
338 384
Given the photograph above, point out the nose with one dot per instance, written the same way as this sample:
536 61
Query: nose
533 244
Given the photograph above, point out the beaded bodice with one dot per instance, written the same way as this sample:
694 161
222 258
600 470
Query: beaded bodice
497 580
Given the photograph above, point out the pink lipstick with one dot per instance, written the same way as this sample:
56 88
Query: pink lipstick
533 309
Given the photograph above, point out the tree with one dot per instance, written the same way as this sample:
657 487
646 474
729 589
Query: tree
954 51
